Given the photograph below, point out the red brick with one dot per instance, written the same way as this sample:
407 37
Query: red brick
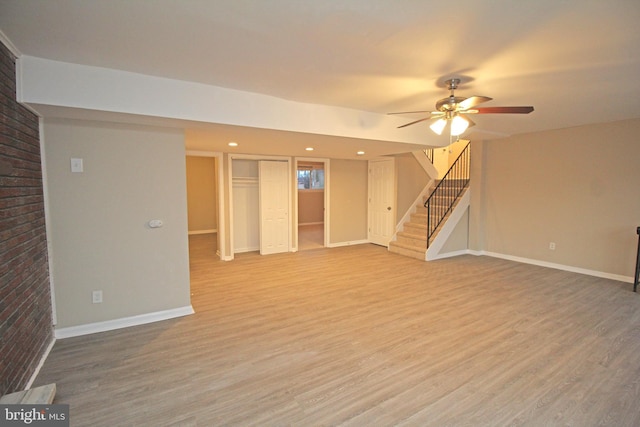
25 301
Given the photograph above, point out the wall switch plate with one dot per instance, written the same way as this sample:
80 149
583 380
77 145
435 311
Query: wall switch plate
552 246
96 297
76 165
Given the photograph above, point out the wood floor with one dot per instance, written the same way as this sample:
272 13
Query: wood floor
357 336
310 236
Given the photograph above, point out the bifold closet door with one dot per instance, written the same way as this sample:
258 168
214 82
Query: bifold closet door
274 207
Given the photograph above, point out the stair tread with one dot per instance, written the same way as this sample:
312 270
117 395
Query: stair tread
416 225
412 235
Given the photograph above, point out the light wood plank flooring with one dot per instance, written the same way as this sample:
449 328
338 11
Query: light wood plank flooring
357 336
310 236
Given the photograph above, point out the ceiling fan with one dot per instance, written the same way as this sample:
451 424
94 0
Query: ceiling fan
455 109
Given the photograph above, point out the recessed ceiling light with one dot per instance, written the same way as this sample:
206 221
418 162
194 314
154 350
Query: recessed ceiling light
360 153
309 148
233 144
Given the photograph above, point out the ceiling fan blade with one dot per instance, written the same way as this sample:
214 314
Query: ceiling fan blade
414 122
504 110
472 102
471 122
413 112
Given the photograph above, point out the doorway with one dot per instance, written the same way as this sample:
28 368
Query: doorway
257 224
312 199
203 200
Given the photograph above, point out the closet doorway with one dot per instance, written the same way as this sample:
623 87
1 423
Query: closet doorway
312 199
203 201
260 197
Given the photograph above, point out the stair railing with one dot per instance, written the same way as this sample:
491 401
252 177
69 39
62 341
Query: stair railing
448 190
429 153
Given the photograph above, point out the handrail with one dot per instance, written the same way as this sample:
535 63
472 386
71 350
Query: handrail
449 188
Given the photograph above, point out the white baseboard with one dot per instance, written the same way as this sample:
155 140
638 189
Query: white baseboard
191 233
302 224
353 242
450 254
40 364
601 274
125 322
244 250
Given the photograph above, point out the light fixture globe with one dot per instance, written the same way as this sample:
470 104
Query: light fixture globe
438 126
458 125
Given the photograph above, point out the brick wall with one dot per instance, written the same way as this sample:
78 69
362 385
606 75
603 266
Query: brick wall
25 302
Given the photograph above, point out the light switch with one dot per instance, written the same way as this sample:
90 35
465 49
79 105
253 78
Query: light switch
76 165
96 297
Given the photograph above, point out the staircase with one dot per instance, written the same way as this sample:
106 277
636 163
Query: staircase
429 217
412 240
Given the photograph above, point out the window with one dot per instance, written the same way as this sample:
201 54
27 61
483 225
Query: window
310 177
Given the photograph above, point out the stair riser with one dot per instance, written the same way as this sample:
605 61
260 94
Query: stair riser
407 252
414 241
414 228
450 183
422 219
438 206
444 195
418 218
439 202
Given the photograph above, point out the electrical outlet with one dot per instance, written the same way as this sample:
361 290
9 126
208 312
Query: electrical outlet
552 246
76 165
96 297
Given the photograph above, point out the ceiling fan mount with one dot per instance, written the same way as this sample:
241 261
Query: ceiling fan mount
449 103
456 108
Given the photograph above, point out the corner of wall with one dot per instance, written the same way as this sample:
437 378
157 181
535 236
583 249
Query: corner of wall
428 167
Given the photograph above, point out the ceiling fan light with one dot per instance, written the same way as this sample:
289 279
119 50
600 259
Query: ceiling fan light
458 125
438 126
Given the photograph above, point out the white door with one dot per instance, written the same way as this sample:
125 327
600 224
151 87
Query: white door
274 207
382 184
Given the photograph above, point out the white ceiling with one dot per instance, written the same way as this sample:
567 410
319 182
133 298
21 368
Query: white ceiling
575 61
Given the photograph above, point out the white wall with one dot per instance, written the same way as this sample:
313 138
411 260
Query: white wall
348 204
412 179
202 193
100 238
576 187
310 207
47 82
443 158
